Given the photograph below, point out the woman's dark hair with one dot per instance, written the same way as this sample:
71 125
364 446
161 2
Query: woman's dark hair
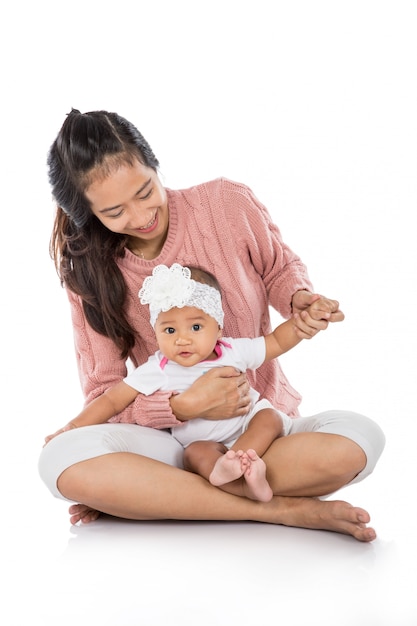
84 251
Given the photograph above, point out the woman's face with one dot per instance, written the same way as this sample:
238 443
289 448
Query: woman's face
131 201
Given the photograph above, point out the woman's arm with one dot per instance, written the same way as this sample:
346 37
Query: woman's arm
284 275
269 258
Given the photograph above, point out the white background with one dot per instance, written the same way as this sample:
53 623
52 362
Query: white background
313 105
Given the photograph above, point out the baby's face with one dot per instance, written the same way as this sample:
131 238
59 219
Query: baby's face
187 335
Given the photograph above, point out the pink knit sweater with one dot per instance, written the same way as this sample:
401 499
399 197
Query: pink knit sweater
223 228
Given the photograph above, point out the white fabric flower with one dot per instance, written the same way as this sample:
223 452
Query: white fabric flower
170 287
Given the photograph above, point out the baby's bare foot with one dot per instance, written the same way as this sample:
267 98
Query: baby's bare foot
228 467
257 487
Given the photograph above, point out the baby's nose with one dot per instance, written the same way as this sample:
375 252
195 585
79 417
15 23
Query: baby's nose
181 341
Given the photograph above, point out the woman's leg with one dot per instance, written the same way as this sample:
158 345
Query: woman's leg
132 486
135 487
82 444
324 453
312 464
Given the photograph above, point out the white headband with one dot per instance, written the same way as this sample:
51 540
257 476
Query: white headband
170 287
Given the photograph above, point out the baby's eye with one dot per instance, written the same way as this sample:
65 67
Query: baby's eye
196 327
169 330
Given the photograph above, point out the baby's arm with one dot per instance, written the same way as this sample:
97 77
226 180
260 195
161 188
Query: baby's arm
101 409
287 335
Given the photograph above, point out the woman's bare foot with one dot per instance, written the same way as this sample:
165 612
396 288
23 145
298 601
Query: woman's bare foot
256 487
82 513
228 467
333 515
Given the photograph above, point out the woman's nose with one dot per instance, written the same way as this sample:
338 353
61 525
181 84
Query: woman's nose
141 217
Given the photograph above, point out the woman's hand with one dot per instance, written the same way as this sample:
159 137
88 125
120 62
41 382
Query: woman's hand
312 312
221 393
82 513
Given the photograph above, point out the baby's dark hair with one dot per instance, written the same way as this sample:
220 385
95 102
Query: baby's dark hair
204 277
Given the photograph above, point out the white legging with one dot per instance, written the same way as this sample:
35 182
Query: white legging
85 443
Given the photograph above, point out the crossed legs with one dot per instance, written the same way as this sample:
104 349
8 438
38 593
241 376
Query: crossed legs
135 487
322 454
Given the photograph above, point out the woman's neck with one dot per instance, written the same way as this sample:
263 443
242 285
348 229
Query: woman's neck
147 250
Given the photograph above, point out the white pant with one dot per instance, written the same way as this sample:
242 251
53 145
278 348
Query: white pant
81 444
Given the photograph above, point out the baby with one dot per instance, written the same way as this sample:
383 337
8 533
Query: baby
186 313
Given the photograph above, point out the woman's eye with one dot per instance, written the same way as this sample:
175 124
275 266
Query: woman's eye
116 215
146 196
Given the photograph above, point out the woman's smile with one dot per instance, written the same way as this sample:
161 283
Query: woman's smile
150 226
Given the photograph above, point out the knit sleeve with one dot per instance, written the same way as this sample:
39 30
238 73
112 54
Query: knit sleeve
281 270
100 366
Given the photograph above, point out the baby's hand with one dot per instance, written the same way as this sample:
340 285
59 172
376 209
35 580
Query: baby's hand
68 426
317 316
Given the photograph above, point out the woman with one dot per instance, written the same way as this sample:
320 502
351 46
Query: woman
114 223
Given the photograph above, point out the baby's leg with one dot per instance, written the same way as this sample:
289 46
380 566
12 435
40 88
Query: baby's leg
223 468
217 464
232 469
229 467
257 486
201 456
264 427
248 466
